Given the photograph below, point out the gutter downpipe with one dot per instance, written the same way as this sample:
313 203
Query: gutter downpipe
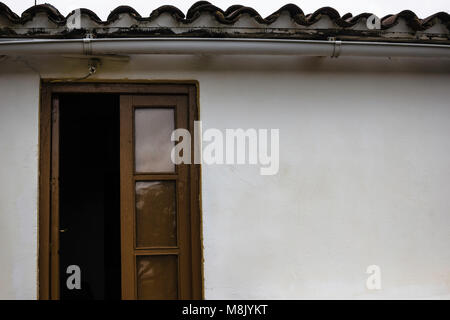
221 46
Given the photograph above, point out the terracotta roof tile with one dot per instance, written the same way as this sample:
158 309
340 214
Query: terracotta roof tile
205 19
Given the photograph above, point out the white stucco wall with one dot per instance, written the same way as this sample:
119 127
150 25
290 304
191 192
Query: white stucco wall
364 176
19 94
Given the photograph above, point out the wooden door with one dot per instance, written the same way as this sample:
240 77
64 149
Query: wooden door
155 203
160 202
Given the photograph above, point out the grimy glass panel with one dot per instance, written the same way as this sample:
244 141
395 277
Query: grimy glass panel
153 128
156 216
157 277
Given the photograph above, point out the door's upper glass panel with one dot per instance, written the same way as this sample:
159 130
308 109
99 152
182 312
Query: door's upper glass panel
153 129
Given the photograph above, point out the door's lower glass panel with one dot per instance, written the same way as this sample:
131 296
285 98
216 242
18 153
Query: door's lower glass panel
157 277
156 216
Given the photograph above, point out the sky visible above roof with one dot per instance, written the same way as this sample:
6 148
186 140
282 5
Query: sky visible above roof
381 8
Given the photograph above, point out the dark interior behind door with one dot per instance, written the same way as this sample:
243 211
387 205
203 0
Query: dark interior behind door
90 195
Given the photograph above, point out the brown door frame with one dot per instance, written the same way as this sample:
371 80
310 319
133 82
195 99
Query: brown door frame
48 174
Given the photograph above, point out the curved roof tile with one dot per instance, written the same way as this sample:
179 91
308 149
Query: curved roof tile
114 15
51 12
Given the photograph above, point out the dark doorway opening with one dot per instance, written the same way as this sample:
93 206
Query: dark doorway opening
90 195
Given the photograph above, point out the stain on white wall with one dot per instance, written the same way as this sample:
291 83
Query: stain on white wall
364 176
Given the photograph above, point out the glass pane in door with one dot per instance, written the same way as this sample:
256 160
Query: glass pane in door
157 277
153 129
156 217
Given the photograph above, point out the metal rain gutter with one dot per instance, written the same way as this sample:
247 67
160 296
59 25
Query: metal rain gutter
221 46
